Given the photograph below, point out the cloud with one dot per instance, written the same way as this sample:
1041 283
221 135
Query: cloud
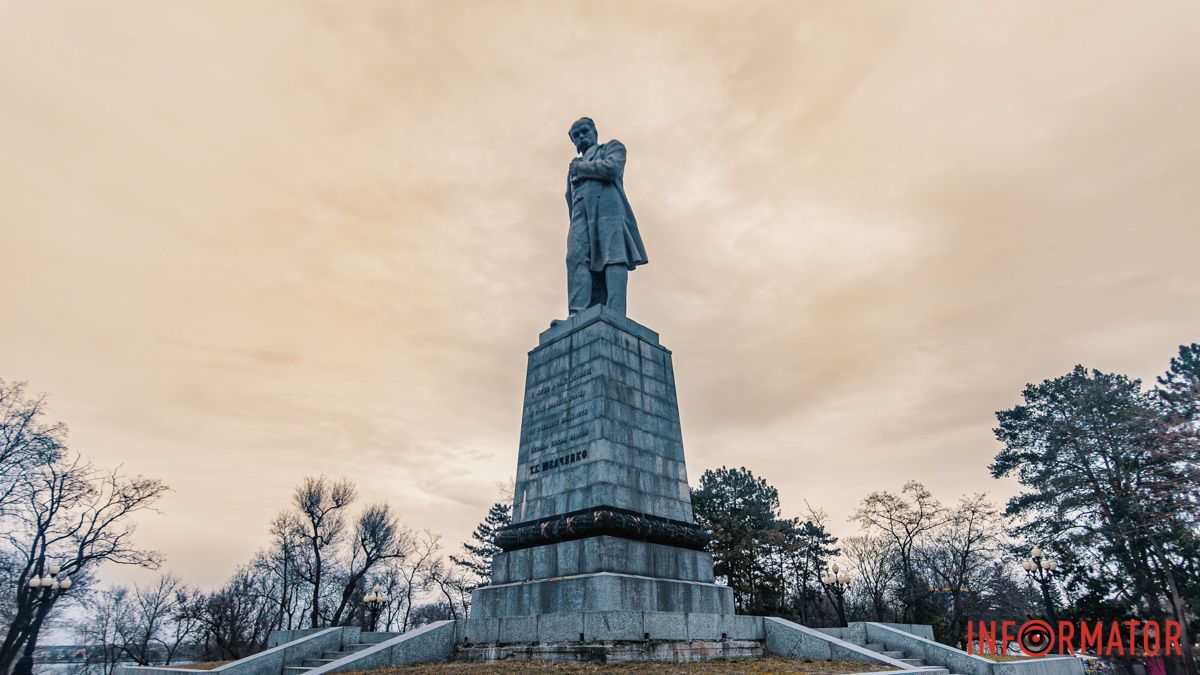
254 242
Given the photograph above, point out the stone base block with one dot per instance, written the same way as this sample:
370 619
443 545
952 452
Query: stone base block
600 592
608 626
602 554
617 652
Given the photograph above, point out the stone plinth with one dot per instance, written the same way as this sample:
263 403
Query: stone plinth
619 625
602 554
602 514
602 591
608 652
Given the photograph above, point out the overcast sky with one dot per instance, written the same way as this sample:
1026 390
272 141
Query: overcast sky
245 242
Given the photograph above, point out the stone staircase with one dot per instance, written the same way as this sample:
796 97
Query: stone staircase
364 640
903 657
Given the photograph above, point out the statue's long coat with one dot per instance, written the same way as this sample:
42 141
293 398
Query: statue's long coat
612 229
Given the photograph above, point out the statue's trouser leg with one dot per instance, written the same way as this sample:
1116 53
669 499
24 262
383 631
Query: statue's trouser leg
599 291
579 271
616 280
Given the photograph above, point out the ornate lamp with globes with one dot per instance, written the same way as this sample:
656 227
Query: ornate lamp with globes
837 585
374 602
45 589
1043 571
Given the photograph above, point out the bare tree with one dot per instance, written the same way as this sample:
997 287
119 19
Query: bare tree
960 553
453 586
183 627
506 489
97 630
430 612
145 624
872 566
415 571
378 537
391 580
904 519
75 516
26 442
320 502
235 620
282 562
153 625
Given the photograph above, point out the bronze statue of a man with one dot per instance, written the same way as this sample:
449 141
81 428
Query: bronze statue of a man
603 243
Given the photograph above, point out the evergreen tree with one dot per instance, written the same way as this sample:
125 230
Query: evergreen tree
810 548
742 513
478 558
1102 469
1179 444
1179 387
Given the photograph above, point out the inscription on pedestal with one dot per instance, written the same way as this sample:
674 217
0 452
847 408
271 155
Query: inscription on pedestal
538 467
565 419
571 437
563 381
560 420
550 406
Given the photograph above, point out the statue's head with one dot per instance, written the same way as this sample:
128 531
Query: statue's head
583 133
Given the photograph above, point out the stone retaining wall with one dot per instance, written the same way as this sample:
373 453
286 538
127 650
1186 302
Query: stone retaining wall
270 662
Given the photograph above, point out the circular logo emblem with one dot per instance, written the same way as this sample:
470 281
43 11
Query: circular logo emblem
1035 638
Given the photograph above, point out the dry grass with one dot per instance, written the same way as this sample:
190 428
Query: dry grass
771 664
207 665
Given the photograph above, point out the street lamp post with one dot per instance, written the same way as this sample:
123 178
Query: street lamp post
837 585
49 586
1043 572
374 602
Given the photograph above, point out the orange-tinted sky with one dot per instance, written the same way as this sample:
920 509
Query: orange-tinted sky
243 242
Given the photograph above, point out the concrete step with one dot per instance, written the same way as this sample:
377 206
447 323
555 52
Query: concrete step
374 638
295 670
875 646
914 662
892 654
313 663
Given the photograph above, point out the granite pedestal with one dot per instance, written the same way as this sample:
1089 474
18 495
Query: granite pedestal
603 545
